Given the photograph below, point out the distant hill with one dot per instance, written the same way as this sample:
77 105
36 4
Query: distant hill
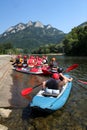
31 35
75 43
83 24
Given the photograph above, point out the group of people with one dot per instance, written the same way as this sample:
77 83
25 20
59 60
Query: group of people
32 61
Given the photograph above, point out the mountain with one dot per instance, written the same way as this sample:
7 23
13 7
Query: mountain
83 24
31 35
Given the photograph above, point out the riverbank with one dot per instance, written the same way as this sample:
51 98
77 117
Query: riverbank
49 54
5 67
10 115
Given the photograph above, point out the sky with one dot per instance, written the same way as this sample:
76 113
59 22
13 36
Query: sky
61 14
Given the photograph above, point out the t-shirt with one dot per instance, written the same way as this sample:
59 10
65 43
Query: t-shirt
53 64
52 83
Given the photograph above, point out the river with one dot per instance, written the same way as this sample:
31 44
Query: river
73 116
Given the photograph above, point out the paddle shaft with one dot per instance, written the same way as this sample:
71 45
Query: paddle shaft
37 86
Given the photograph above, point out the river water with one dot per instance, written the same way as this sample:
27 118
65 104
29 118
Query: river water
73 116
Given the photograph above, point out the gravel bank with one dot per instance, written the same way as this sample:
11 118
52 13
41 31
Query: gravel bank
5 70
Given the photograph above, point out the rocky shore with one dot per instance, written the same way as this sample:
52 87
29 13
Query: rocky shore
10 116
5 94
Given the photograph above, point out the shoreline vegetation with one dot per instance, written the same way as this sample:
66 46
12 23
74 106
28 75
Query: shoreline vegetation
60 54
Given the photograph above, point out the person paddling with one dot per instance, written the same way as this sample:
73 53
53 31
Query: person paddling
56 82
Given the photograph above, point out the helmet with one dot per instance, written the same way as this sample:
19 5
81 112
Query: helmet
25 57
55 76
60 70
18 56
53 59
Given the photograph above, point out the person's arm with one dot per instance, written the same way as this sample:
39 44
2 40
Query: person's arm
70 79
66 78
44 85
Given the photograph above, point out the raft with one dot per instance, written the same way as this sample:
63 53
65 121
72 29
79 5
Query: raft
29 70
51 102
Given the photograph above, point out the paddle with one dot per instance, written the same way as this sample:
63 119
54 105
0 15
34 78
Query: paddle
65 71
82 82
26 91
71 67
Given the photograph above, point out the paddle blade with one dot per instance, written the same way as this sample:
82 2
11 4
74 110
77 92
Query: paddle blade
26 91
71 67
82 82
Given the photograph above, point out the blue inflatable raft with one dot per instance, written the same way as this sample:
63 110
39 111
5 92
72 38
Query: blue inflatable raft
52 102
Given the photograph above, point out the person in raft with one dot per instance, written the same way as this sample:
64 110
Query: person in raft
53 65
56 82
17 62
25 64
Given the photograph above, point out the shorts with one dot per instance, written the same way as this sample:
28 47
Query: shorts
52 91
